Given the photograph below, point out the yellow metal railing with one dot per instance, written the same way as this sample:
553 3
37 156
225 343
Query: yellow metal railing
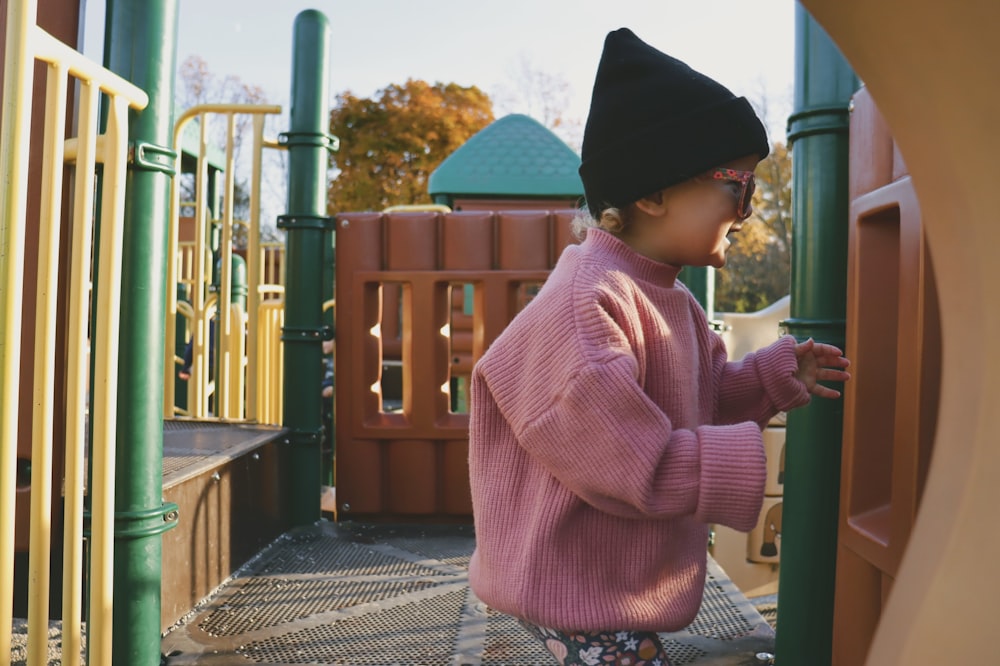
25 43
270 359
236 397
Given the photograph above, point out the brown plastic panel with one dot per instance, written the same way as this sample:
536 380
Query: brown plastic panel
464 245
523 241
400 290
870 138
412 471
856 608
411 241
890 405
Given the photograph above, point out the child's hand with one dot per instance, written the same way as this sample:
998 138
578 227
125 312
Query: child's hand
820 362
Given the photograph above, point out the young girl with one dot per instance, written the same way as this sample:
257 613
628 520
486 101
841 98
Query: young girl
607 427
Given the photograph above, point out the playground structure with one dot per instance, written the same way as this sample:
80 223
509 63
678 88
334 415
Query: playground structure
910 581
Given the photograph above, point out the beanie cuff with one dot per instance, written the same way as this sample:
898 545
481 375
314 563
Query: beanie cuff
670 152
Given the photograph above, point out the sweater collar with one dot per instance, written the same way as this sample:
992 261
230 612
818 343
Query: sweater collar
624 257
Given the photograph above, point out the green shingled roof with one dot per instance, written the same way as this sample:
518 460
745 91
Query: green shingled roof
513 156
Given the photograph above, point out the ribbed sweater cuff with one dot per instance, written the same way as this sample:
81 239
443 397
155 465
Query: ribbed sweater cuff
733 472
776 366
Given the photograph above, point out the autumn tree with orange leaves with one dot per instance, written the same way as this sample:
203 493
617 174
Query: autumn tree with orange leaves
390 144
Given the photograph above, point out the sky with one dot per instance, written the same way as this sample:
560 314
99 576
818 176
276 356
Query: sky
748 46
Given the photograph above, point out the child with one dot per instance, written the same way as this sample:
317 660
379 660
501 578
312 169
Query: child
607 427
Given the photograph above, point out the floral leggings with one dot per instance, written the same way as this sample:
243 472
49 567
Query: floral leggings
619 648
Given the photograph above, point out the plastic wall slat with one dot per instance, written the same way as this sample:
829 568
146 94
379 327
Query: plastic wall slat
426 307
468 241
523 241
411 241
359 243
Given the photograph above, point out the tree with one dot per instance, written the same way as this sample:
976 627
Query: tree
198 85
758 265
390 144
543 96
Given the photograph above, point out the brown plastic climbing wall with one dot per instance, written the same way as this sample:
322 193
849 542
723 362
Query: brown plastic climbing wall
894 341
409 459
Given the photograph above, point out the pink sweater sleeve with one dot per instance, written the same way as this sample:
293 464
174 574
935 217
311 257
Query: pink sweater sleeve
758 386
610 445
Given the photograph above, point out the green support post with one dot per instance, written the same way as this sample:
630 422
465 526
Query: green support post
306 224
696 279
818 130
140 46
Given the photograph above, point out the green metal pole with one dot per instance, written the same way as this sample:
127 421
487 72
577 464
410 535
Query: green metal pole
306 223
695 278
818 129
140 46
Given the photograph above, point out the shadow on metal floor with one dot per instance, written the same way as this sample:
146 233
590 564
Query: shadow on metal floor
379 595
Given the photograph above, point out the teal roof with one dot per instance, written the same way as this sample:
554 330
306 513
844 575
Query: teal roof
513 156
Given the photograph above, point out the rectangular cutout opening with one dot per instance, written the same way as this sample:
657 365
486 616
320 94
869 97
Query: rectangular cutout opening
877 314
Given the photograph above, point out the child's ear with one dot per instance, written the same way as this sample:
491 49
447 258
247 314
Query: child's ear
654 204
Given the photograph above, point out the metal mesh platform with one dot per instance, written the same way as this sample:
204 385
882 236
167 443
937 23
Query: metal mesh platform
386 595
190 446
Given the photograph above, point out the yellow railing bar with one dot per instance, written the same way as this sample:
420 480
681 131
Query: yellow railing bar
272 259
105 344
77 373
271 361
254 273
17 80
40 535
235 381
225 327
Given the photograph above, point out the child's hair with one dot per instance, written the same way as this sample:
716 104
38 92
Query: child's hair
612 220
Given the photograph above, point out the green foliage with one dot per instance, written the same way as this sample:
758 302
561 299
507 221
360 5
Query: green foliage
390 145
758 264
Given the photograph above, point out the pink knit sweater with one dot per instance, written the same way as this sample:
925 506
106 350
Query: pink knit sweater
607 430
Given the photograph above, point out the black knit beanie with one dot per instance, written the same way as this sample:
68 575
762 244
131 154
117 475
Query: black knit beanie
655 122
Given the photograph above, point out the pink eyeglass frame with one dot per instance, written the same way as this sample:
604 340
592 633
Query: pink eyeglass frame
748 184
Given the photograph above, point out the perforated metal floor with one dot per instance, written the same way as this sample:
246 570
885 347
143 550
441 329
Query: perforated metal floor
385 595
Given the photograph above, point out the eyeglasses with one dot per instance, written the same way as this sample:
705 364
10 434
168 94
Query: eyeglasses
747 186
